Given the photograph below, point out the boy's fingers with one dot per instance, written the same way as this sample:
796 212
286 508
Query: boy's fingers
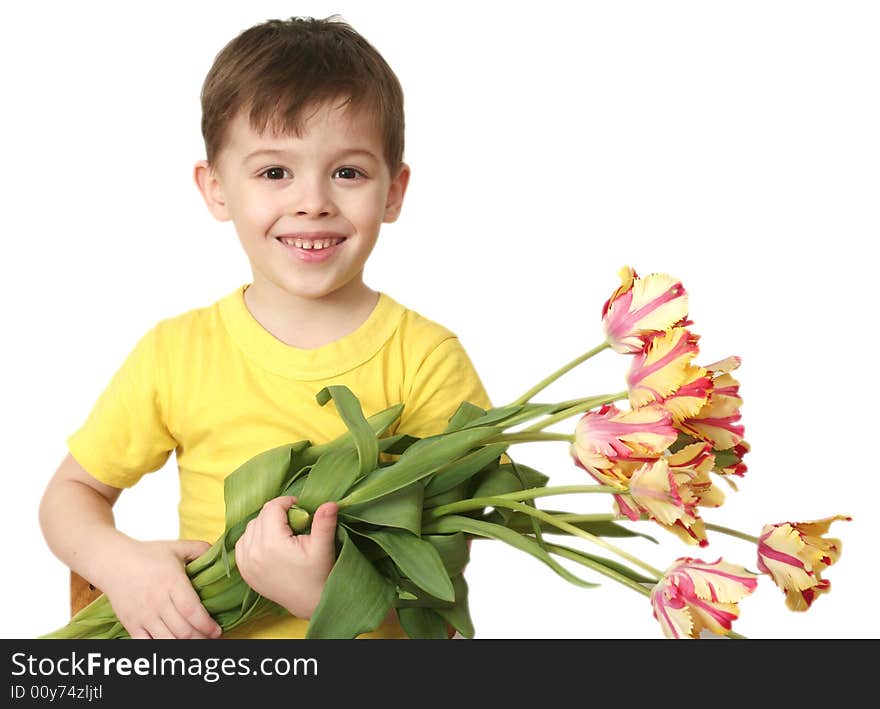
158 630
283 502
188 604
274 515
324 524
177 625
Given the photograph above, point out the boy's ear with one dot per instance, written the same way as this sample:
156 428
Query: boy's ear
395 194
211 190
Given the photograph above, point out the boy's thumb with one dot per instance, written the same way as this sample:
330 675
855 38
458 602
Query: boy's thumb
324 524
189 549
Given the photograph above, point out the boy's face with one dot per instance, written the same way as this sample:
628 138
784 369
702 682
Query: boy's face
333 182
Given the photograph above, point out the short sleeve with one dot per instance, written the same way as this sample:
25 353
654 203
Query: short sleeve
125 435
444 379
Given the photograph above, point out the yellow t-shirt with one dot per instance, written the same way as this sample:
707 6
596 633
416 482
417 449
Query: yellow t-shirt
216 388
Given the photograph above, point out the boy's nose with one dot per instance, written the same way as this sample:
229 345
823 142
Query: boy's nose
311 197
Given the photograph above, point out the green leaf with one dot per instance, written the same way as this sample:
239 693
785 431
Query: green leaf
356 597
459 615
397 444
464 414
402 508
258 480
419 460
532 477
494 416
453 550
206 559
411 596
259 608
509 477
422 623
296 487
458 523
349 409
417 559
330 478
468 415
458 471
497 481
299 474
459 492
379 423
227 599
725 458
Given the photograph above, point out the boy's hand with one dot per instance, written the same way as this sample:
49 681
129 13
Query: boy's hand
290 569
153 597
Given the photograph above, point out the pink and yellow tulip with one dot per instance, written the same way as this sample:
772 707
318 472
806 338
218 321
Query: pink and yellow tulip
694 595
670 489
610 435
716 421
663 368
795 554
642 308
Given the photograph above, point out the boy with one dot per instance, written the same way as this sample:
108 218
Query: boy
303 126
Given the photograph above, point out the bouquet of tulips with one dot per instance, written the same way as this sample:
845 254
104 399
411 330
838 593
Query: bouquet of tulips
404 525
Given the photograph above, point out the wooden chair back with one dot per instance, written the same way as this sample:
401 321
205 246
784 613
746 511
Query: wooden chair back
81 593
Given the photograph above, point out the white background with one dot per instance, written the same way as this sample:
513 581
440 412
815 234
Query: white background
734 145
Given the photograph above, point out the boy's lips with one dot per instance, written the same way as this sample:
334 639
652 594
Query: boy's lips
311 254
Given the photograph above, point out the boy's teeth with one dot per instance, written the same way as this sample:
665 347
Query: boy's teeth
309 244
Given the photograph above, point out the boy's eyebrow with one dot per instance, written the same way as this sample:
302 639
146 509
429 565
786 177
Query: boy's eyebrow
281 153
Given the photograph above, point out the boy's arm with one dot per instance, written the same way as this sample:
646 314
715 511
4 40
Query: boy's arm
145 581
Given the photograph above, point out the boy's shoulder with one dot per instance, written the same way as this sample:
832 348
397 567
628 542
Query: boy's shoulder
415 326
193 323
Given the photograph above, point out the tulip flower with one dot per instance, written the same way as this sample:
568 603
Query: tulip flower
642 308
604 437
694 595
716 421
663 367
795 554
670 489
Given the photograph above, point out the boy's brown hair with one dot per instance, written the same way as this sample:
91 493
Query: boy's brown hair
277 69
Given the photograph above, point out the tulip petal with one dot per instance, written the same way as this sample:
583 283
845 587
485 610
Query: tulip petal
654 489
605 437
663 367
641 308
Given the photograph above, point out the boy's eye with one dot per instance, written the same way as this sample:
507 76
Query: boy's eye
353 172
274 173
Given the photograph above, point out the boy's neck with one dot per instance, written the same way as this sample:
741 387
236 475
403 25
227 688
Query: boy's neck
309 323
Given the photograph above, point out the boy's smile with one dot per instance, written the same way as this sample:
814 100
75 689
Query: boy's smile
307 209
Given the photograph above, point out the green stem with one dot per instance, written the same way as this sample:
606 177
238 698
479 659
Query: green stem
519 495
541 409
731 532
498 501
580 407
574 517
528 437
577 556
544 383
